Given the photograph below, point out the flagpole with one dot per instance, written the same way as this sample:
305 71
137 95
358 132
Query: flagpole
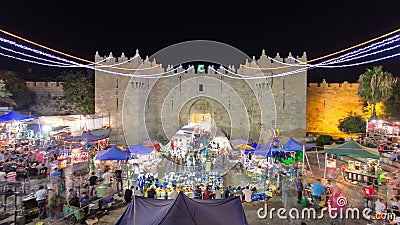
134 207
304 152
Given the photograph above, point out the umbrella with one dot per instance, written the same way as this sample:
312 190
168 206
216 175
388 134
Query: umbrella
244 146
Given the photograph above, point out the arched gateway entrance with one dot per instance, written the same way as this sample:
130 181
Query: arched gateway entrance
207 111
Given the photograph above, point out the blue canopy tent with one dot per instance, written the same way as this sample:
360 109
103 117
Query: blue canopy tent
140 149
86 137
14 116
294 146
267 151
114 153
183 210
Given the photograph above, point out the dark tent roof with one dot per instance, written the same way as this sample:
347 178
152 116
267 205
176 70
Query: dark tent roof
183 211
15 116
86 137
293 145
114 153
351 148
266 150
139 149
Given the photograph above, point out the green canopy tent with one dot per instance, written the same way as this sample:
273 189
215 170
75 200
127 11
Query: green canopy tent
352 149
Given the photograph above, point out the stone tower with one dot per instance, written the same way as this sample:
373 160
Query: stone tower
143 107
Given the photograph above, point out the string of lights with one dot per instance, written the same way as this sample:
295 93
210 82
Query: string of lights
70 62
273 68
55 64
240 76
369 48
328 55
91 67
71 56
325 64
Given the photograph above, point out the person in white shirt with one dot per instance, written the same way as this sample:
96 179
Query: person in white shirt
174 193
247 194
2 175
107 177
379 205
41 197
218 194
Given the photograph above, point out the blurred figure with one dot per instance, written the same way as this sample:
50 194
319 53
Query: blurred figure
247 194
197 192
207 193
41 197
218 194
128 195
174 193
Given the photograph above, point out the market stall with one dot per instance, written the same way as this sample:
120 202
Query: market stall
100 142
364 167
14 130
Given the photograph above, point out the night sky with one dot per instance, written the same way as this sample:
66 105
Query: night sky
318 27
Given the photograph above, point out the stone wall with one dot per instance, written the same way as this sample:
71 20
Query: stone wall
143 108
48 99
327 103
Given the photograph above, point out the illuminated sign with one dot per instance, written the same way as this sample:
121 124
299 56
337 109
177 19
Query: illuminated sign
200 69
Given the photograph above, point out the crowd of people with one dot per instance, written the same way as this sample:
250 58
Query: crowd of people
382 143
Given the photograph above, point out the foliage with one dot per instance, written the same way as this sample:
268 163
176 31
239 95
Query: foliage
380 110
5 100
340 141
376 85
21 95
78 89
324 140
352 124
393 103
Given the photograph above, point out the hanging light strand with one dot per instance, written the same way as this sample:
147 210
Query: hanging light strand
71 56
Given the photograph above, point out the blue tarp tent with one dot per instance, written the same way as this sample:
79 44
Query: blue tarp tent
114 153
267 151
139 149
15 116
183 210
86 137
295 146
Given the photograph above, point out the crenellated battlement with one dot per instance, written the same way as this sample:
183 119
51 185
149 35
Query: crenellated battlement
263 61
345 85
41 84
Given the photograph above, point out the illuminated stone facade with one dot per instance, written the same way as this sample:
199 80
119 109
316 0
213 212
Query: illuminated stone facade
327 103
142 108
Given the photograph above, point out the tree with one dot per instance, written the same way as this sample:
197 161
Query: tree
324 140
5 99
393 103
78 89
20 93
380 110
376 85
352 124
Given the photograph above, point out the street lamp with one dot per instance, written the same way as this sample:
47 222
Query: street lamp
373 118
